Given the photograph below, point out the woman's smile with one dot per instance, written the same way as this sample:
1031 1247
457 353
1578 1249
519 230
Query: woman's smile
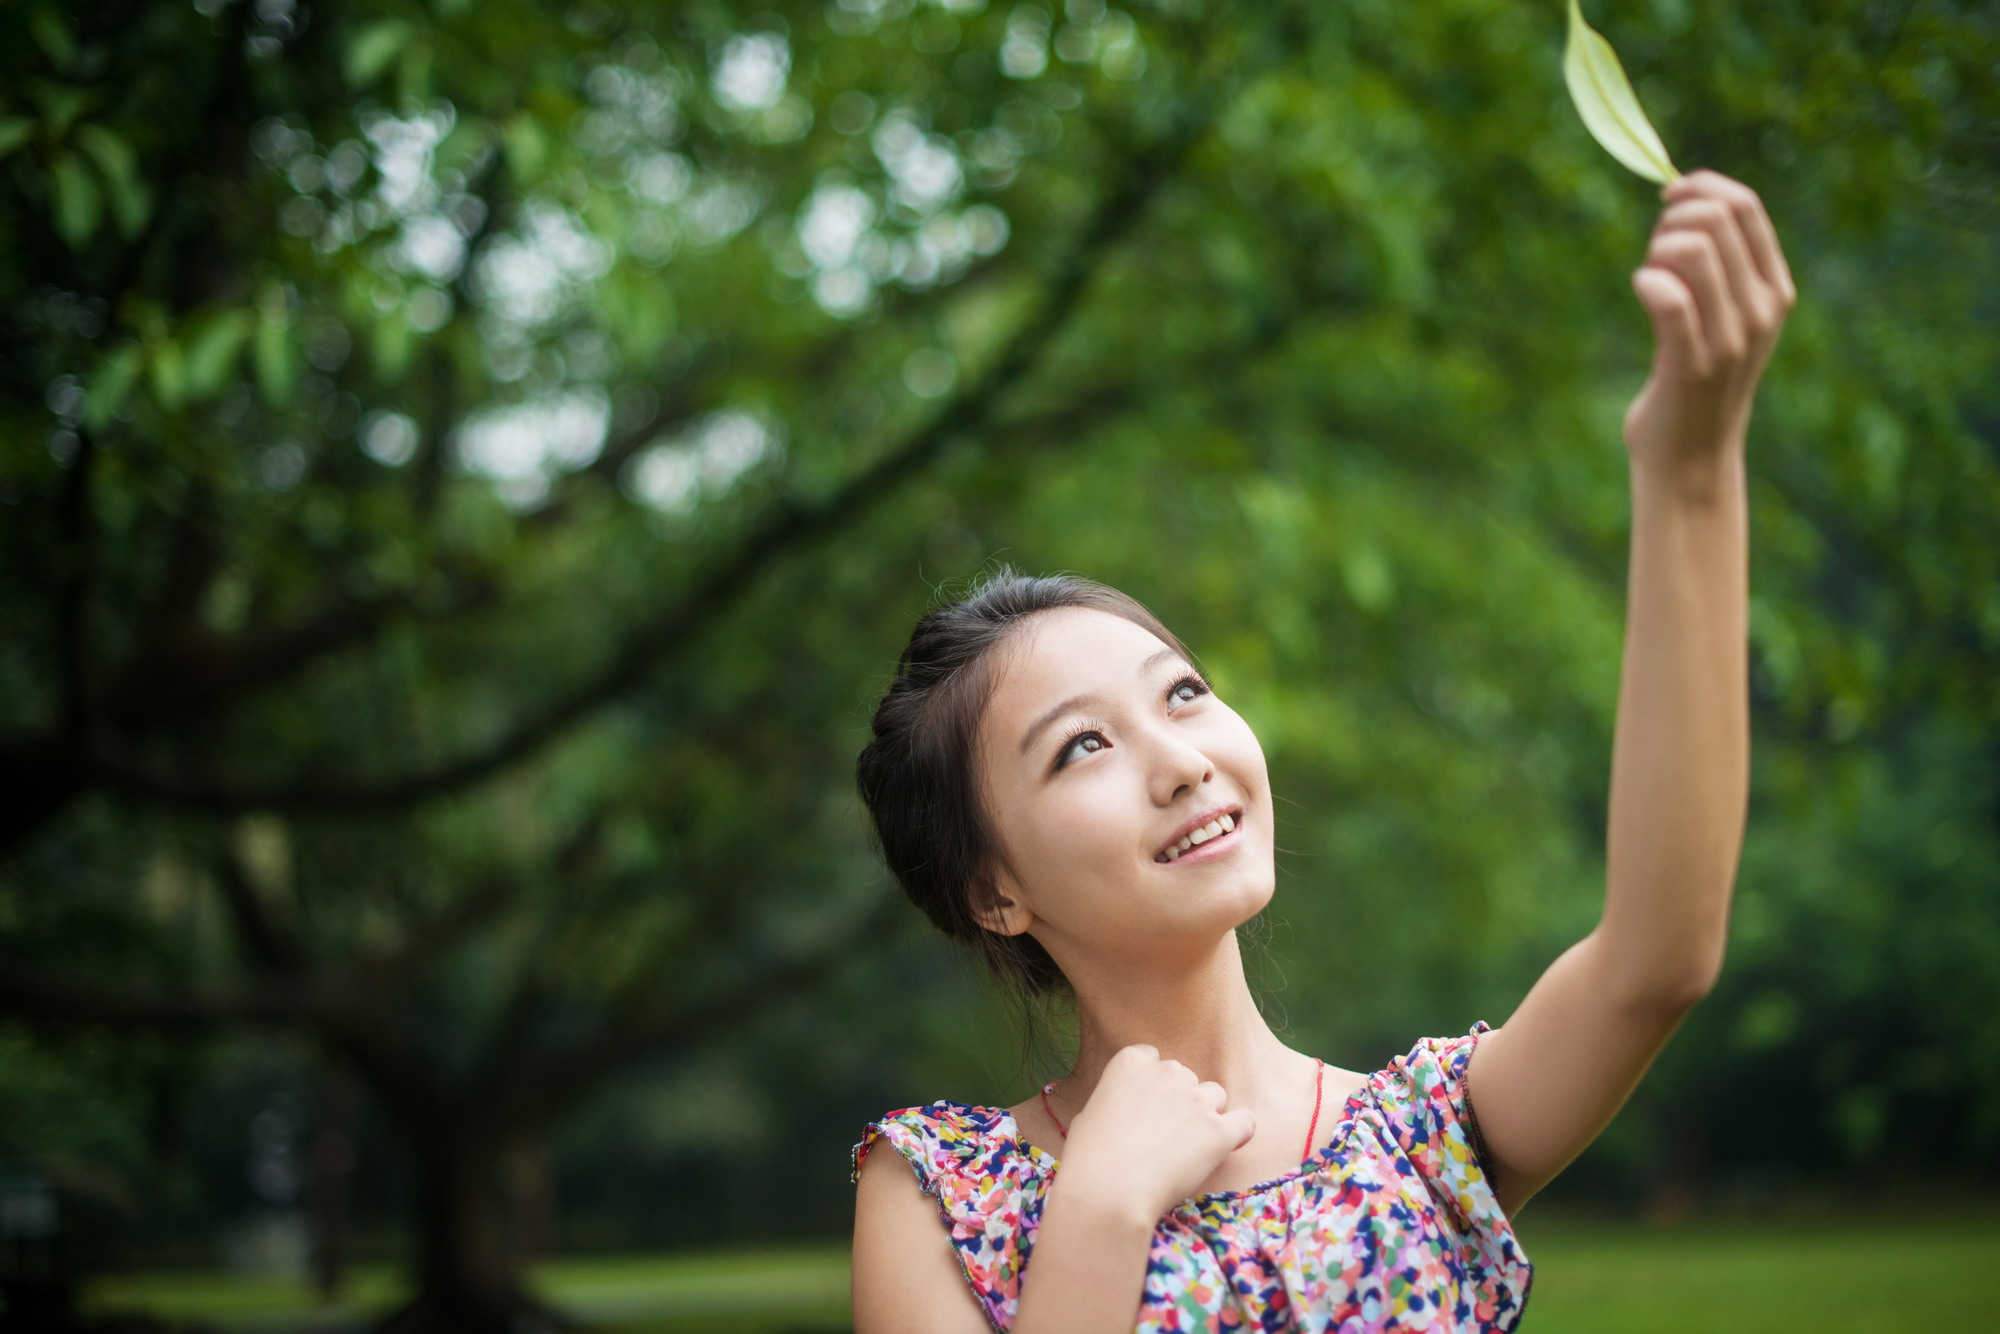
1207 836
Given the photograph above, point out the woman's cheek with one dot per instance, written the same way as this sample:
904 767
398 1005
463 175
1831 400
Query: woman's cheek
1090 823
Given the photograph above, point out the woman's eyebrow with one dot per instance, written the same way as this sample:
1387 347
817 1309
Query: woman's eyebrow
1078 701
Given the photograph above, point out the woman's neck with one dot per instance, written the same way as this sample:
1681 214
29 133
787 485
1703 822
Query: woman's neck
1201 1015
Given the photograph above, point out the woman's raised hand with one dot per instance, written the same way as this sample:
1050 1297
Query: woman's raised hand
1717 288
1152 1131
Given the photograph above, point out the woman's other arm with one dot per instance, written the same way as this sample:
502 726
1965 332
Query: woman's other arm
905 1277
1088 1268
1548 1081
1150 1132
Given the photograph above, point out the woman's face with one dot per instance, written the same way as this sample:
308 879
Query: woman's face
1100 753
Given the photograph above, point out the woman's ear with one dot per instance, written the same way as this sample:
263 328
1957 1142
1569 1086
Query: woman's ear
998 908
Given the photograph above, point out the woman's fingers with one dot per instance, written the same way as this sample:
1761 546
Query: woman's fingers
1734 217
1755 222
1717 291
1691 257
1749 301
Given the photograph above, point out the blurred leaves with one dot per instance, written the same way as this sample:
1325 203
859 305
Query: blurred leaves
371 50
115 159
427 357
273 351
215 341
78 200
14 131
110 384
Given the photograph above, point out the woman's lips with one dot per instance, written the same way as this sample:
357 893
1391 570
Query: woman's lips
1219 846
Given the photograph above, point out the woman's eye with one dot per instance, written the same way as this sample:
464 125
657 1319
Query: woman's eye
1088 743
1187 689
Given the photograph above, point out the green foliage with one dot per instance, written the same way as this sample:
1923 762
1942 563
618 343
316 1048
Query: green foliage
468 468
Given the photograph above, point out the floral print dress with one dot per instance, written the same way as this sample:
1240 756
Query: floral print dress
1390 1225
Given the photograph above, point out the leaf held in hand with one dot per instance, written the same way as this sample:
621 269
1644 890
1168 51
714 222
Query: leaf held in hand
1609 107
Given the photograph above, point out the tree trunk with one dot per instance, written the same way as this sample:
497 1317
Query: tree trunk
331 1164
531 1199
468 1276
1682 1161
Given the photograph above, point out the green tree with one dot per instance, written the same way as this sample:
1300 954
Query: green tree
468 466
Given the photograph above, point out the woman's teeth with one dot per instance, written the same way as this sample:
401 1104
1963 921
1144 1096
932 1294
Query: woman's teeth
1220 825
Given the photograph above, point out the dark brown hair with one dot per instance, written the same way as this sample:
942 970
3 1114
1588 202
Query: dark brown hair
917 774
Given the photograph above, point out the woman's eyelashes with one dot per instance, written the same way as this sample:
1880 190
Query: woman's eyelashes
1092 730
1078 733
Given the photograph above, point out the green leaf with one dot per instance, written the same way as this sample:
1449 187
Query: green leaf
372 49
131 204
130 200
527 148
213 344
393 343
78 200
1609 107
168 369
413 74
467 138
274 356
1370 581
109 386
61 103
53 36
14 131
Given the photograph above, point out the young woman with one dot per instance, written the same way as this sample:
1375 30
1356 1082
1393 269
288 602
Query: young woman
1052 780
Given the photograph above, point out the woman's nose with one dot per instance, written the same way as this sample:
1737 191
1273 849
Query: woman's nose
1178 767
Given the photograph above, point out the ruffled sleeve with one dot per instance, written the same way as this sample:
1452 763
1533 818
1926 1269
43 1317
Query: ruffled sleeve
986 1195
1425 1101
916 1134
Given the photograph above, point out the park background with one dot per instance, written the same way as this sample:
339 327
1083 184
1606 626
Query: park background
466 471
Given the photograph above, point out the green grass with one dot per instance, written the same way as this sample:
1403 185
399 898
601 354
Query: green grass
1610 1279
233 1301
1827 1280
758 1290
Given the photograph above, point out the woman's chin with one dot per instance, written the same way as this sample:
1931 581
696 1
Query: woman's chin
1256 895
1225 902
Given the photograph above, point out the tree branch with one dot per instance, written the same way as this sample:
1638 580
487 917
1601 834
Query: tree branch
75 521
794 524
543 1089
53 1003
270 948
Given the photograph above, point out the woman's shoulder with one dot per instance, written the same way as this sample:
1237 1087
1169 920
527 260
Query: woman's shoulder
1431 1072
941 1136
1425 1108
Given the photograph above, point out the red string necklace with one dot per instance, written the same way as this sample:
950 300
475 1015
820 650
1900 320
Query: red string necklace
1312 1131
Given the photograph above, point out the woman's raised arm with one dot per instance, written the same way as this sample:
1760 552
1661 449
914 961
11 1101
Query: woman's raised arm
1545 1083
